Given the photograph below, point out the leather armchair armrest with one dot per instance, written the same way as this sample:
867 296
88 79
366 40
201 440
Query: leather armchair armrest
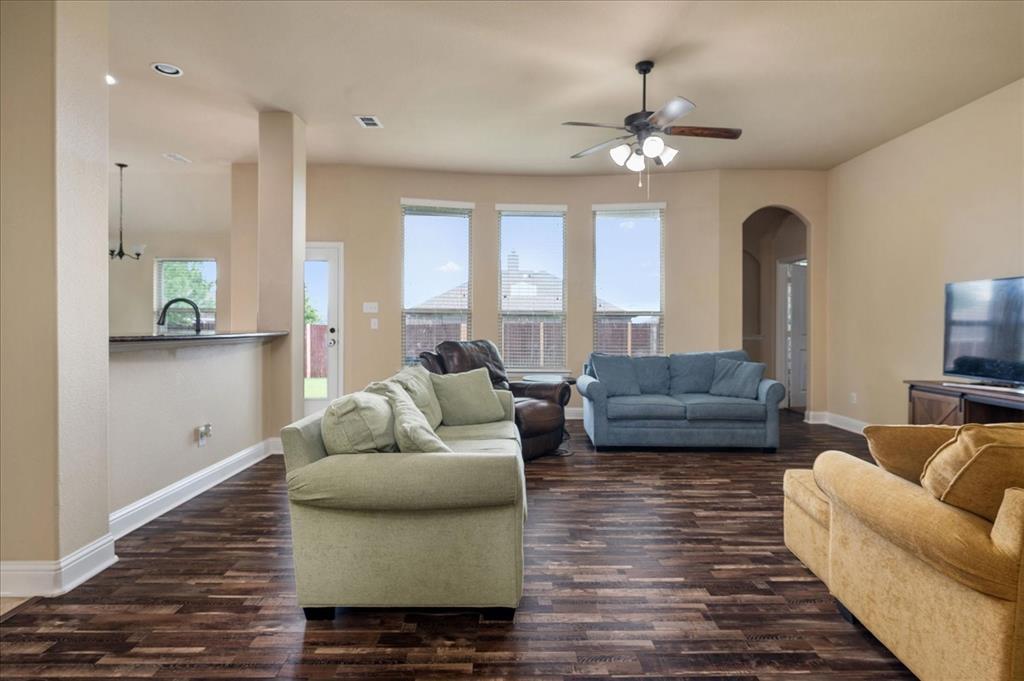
958 544
559 393
591 388
771 392
380 481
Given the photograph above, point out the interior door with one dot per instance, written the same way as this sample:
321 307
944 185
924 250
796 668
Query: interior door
322 334
798 333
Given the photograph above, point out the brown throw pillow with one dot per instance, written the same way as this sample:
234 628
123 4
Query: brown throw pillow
974 469
904 450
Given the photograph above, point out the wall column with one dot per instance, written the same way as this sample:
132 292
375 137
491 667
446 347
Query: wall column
281 254
53 286
244 247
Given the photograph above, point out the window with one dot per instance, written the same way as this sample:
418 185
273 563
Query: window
532 286
192 279
436 276
628 279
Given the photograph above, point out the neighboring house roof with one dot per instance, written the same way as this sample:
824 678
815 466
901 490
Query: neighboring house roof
521 290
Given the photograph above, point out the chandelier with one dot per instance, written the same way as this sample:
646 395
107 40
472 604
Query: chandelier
119 252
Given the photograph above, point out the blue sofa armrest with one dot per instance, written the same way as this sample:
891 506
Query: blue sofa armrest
590 388
770 392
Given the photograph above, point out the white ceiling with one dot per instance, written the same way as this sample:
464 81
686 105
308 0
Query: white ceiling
482 87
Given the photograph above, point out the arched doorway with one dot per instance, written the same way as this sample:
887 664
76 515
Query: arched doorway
775 300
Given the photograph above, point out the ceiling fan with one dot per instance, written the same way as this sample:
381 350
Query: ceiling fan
644 128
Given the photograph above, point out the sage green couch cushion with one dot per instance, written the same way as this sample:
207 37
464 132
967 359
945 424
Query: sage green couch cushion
412 431
408 482
499 430
358 422
467 398
416 381
484 446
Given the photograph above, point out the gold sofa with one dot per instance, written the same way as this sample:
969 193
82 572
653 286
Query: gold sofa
940 587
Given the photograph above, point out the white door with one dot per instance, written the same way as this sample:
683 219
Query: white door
322 342
798 334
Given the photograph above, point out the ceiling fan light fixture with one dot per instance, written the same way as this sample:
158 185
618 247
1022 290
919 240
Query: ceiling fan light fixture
636 162
653 146
620 154
667 154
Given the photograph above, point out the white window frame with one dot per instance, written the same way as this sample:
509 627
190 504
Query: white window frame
542 210
437 207
158 301
660 313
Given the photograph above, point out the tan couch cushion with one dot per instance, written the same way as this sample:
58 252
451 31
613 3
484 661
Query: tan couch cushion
358 422
799 487
956 543
975 468
903 450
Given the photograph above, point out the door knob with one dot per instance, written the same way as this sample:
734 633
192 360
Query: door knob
331 343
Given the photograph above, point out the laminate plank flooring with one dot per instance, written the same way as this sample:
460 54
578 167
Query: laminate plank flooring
639 565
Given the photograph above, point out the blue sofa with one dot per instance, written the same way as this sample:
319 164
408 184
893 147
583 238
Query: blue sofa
675 408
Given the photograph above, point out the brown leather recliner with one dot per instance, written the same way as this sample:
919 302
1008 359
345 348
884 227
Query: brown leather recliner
540 407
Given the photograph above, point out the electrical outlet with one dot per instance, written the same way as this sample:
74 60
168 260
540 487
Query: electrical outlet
204 433
853 398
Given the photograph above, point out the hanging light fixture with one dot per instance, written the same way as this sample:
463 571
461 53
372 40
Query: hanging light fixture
620 154
636 162
666 156
119 252
653 146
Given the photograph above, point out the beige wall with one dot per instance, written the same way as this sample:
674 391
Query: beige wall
53 218
941 203
159 397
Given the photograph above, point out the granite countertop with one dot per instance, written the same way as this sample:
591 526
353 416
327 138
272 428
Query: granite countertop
153 340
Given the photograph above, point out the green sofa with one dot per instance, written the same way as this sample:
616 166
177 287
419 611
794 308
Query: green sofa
385 529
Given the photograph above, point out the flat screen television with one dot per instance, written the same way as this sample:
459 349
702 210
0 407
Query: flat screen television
984 337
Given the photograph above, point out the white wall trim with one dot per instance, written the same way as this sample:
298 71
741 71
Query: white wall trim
531 207
138 513
836 421
574 413
652 205
438 203
56 577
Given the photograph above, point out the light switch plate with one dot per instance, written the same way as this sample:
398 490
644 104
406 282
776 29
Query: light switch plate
371 307
374 323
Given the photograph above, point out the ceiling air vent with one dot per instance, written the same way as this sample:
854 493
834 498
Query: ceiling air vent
368 122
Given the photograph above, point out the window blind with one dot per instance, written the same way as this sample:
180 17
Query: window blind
532 290
436 276
628 280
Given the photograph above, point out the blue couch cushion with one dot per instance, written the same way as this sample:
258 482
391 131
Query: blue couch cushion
645 407
653 375
705 407
616 373
693 372
736 379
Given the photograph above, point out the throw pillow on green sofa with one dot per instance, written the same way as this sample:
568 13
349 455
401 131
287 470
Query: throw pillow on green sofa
736 379
412 432
467 398
359 422
416 381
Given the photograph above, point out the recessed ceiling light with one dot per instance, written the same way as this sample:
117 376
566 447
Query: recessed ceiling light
165 69
174 156
111 80
369 121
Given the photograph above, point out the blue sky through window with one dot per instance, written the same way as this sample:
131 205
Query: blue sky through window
536 239
317 278
628 259
436 256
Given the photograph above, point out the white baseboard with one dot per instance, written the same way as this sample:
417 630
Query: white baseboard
836 421
21 578
138 513
574 413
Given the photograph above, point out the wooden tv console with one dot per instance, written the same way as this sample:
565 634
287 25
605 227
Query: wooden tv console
954 404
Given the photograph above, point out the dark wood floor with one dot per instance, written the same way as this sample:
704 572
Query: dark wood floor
638 565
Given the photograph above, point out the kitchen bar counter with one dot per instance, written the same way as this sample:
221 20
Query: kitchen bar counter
154 341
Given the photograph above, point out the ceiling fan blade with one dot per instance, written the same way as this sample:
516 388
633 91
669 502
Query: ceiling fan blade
677 107
700 131
599 147
596 125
